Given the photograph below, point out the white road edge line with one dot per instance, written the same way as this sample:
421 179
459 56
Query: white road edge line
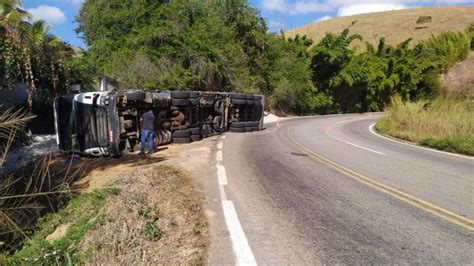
340 122
221 175
219 156
240 244
355 145
367 149
371 129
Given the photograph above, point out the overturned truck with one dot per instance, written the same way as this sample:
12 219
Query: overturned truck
105 123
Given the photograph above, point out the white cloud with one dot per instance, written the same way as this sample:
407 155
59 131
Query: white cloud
276 26
305 7
347 7
367 8
274 5
50 14
323 18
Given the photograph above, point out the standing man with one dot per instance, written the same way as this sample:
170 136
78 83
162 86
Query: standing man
147 121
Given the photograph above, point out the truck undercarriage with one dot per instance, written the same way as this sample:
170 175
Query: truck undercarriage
105 123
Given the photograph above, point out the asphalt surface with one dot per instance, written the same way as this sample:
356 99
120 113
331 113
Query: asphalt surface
327 190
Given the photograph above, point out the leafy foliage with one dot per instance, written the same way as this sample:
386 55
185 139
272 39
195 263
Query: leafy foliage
470 31
360 82
224 45
30 55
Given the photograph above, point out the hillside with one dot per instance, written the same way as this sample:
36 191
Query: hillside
460 78
395 26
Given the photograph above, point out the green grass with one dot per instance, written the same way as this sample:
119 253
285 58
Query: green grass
83 213
444 123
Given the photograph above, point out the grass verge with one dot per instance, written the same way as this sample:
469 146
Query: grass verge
57 238
444 123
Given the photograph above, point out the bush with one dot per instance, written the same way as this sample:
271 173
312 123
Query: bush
423 20
470 31
446 49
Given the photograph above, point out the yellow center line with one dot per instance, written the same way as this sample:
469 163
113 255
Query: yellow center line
442 213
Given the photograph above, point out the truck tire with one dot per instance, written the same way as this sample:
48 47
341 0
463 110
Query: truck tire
237 129
241 96
239 101
181 140
205 132
216 121
258 112
180 102
255 129
248 129
181 133
196 137
255 124
238 124
180 94
195 131
194 102
248 124
194 94
135 95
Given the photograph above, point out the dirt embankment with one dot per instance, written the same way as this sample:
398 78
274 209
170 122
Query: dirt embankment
460 78
156 217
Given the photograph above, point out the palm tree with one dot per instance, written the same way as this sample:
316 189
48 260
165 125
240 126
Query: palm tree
11 15
39 32
14 29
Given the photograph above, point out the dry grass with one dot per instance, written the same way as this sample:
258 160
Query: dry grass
157 219
395 26
460 78
11 123
41 187
445 123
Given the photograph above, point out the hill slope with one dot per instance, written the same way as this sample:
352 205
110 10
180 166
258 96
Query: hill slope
395 26
460 78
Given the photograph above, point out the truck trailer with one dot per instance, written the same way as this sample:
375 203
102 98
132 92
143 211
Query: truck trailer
107 122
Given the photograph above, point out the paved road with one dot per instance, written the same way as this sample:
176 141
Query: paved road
327 190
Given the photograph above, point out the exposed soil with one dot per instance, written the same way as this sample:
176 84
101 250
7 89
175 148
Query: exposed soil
156 219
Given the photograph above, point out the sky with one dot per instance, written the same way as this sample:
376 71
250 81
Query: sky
279 14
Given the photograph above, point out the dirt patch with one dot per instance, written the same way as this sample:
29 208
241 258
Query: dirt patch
58 233
157 218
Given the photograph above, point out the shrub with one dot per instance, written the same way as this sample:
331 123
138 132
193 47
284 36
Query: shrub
423 20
